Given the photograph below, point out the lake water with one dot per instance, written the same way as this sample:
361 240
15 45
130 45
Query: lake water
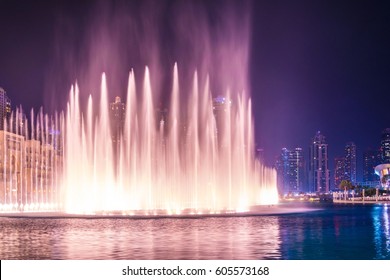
335 232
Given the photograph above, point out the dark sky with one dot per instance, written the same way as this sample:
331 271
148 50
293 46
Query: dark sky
314 65
321 65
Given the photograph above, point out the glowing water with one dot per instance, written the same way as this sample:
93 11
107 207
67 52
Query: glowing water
199 159
196 159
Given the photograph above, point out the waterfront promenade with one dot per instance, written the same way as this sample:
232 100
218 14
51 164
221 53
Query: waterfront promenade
361 199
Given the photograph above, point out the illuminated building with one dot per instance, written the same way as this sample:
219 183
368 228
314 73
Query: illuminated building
5 108
339 172
318 168
221 110
350 162
117 118
41 173
29 168
383 171
385 146
290 169
11 168
371 159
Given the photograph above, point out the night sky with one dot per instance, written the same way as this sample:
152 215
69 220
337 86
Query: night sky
313 65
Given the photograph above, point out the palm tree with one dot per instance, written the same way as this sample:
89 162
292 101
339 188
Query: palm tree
346 185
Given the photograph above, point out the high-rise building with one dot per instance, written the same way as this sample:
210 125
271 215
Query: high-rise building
350 162
117 118
339 171
221 110
371 159
5 107
117 124
318 170
297 170
290 168
385 146
282 171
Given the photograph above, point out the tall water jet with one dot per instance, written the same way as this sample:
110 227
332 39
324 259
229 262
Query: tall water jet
199 159
195 156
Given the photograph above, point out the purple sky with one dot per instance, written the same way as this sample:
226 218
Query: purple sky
314 65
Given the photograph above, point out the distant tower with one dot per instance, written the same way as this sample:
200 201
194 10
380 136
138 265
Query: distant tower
290 168
350 162
339 171
283 172
385 146
297 169
318 169
117 118
371 159
221 110
5 107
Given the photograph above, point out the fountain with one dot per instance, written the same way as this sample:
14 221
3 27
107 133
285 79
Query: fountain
197 158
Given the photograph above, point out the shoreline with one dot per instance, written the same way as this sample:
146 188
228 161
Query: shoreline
259 210
362 201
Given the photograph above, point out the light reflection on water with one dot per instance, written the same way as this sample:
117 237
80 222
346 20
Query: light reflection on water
380 218
204 238
339 232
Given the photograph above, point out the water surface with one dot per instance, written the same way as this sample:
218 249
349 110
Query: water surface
337 232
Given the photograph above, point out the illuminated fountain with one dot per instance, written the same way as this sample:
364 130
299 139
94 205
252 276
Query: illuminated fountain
197 160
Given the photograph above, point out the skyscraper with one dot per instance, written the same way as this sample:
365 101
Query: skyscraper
221 110
297 170
117 118
371 158
350 162
5 107
385 146
290 168
318 169
339 171
117 123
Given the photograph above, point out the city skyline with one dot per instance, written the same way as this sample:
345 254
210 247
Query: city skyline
313 66
290 165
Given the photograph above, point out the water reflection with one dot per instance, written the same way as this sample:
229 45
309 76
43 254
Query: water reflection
339 232
386 227
380 217
205 238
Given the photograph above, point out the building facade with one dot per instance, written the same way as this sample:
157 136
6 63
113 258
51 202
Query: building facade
291 171
11 168
350 162
371 159
221 111
30 163
385 146
318 169
339 172
29 173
